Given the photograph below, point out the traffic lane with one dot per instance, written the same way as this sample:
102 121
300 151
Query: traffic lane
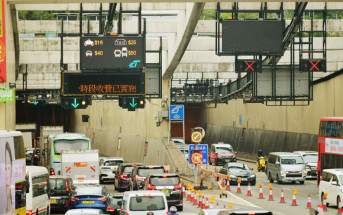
188 208
310 187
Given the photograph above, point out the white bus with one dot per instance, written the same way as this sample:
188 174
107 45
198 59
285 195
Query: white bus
37 199
65 141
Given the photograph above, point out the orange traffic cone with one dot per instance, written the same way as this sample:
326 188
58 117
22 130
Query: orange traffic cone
294 200
239 188
188 195
217 204
282 199
249 190
270 198
200 202
207 206
195 199
320 209
260 196
228 183
224 206
183 192
309 201
340 209
325 208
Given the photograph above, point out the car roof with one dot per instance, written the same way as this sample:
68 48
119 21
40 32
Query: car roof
111 158
147 166
84 211
143 192
235 164
334 171
221 144
213 211
128 164
284 153
305 152
163 174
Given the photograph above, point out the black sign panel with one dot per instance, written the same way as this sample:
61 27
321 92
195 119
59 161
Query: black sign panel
103 84
252 37
112 53
248 65
313 65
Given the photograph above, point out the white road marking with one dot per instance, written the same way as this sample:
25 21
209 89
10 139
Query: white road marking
242 200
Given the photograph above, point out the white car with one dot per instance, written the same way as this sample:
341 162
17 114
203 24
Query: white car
89 42
117 53
332 184
84 211
311 160
107 167
89 53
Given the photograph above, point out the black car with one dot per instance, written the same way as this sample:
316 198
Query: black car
170 185
122 176
35 159
139 174
236 170
114 204
62 190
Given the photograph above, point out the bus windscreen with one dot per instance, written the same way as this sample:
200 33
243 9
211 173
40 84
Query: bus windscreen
60 145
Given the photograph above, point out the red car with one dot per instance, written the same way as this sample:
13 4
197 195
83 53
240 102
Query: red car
221 153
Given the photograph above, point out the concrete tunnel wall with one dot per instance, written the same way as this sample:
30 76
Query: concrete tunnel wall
274 128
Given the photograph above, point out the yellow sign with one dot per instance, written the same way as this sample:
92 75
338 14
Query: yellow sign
196 137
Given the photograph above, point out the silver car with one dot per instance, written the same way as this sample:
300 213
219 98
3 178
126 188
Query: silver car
311 160
285 167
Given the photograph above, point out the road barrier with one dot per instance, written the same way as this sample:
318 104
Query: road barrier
309 201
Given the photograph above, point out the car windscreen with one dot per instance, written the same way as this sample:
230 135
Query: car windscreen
113 162
128 169
292 160
116 201
57 184
340 178
147 203
164 180
143 172
310 158
238 166
60 145
184 151
224 149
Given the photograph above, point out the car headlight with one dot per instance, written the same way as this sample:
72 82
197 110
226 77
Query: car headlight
304 172
252 176
219 156
283 172
233 176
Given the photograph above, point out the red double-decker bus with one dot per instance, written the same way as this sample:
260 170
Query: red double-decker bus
330 144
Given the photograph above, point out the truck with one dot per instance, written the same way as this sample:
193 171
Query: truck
29 132
45 131
81 165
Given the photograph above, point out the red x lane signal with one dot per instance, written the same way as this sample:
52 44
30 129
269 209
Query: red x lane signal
249 66
314 65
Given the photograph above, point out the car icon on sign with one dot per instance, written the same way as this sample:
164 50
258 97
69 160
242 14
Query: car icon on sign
89 42
89 53
117 53
124 52
120 42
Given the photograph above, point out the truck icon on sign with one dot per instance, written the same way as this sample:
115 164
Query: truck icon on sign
120 42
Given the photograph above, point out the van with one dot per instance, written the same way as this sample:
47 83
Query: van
143 202
221 153
285 167
331 183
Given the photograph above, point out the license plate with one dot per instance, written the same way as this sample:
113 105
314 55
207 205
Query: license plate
53 201
87 202
244 179
227 160
165 191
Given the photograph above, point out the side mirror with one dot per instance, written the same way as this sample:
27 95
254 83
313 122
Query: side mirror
277 163
43 152
334 183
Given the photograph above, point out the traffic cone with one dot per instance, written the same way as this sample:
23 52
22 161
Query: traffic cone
224 206
260 196
249 190
239 188
203 203
195 199
324 202
192 197
294 200
207 206
183 192
215 174
320 209
340 209
282 199
188 195
309 201
228 183
166 170
270 195
200 202
217 204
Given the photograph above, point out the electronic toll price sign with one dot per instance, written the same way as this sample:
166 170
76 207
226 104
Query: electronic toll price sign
117 84
112 53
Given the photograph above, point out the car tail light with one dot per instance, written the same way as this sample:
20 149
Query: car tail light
150 167
102 199
29 212
67 202
123 176
67 186
251 213
73 199
181 202
150 187
110 208
134 165
35 155
179 186
52 171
